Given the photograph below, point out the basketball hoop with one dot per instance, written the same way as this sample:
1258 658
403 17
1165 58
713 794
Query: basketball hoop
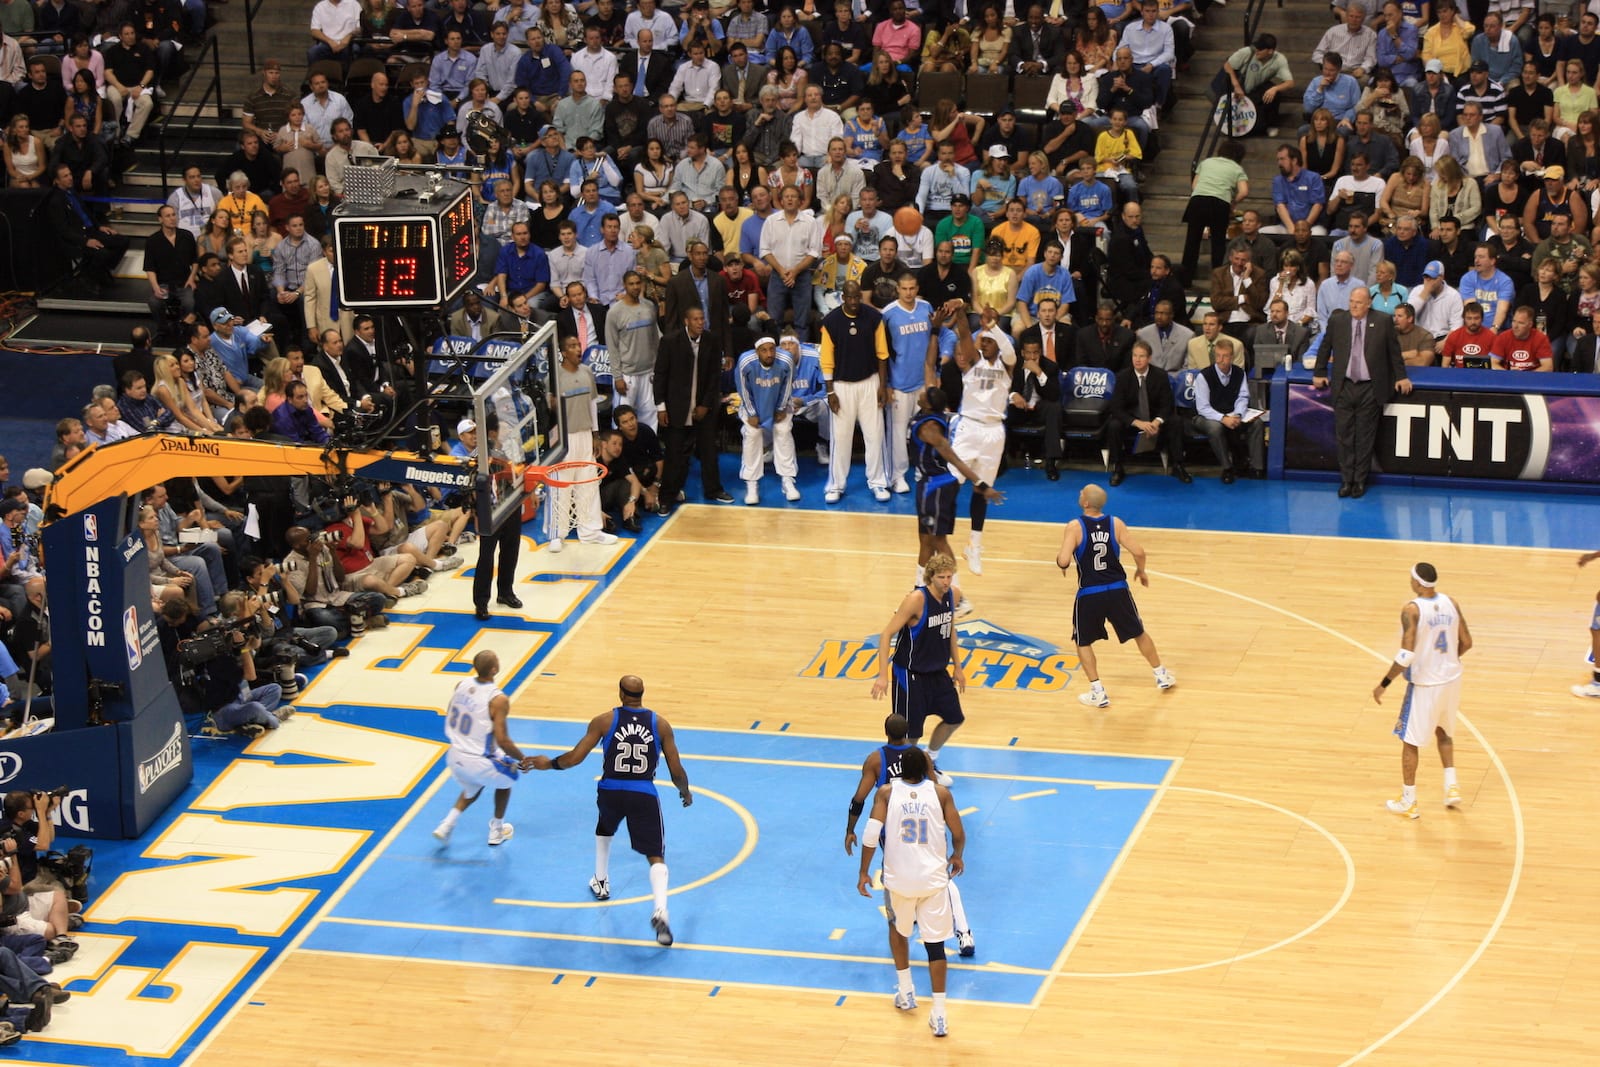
575 487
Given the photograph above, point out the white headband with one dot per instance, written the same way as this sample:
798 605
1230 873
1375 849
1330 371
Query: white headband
1420 580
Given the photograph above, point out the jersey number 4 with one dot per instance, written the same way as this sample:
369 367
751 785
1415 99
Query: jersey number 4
1442 642
631 757
914 831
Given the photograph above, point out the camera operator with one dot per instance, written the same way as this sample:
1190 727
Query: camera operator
312 571
30 634
239 703
405 528
19 556
364 568
28 832
280 604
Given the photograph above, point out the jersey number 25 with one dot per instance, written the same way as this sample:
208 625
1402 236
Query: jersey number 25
631 757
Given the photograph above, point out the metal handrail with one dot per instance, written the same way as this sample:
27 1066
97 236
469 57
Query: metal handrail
209 45
252 6
1212 134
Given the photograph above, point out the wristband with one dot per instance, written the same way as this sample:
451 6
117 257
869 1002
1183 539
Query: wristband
555 764
981 486
856 808
1385 683
1404 657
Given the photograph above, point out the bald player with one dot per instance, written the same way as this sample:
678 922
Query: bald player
634 740
481 751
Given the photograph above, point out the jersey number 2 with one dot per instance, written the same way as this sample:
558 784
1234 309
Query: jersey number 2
914 831
632 757
1100 550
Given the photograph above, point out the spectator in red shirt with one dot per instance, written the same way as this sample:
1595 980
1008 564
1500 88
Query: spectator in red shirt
745 291
1522 347
363 569
1470 344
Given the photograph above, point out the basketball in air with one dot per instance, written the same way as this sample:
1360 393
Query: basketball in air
908 220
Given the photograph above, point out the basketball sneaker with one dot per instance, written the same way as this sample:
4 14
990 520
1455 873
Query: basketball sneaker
752 495
939 776
1590 689
900 485
1399 807
1165 678
555 544
789 490
1452 796
963 608
937 1025
906 1001
601 888
881 495
443 830
969 947
658 923
500 832
1096 697
974 556
832 496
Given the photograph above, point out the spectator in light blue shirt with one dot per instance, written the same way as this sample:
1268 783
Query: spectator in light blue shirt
788 33
430 115
452 69
234 345
1090 198
1334 294
1399 48
1339 93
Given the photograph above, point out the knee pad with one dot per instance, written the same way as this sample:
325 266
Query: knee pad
935 950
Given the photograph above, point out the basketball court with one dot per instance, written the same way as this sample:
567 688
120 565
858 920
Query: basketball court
1201 875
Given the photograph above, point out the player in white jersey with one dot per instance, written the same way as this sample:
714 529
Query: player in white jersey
1591 688
1433 636
911 814
481 751
984 387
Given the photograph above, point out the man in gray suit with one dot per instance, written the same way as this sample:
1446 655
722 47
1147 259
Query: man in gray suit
1278 330
743 78
1367 370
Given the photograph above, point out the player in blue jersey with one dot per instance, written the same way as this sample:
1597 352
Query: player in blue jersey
881 765
634 740
909 327
765 380
936 486
1094 541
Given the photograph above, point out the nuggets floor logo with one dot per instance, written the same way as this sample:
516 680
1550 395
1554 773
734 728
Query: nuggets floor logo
991 656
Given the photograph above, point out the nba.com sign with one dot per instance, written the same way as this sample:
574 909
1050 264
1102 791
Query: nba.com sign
991 656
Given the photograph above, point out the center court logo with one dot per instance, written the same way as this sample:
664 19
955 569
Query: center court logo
992 656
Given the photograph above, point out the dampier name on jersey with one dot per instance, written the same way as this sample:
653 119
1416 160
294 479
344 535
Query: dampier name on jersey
635 731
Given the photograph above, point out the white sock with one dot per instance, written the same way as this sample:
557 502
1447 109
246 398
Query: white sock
602 857
958 910
904 978
658 885
1408 795
1096 687
975 538
938 1005
450 818
1449 777
933 750
922 582
1157 669
494 823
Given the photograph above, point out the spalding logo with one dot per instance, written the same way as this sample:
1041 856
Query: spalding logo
992 656
10 766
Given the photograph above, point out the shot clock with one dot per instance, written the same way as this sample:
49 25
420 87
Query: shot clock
406 254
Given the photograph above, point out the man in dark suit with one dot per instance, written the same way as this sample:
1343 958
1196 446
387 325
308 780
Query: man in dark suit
688 369
581 309
683 292
1585 355
1105 344
656 67
1036 397
1128 258
97 248
1142 400
1037 48
1278 330
1164 285
1367 370
243 289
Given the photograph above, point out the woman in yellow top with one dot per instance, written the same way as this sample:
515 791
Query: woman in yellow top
994 285
241 203
1115 151
1449 41
1019 240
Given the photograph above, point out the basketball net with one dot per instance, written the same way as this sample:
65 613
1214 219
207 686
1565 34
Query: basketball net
575 493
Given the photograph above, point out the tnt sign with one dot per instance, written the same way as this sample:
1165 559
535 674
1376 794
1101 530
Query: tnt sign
1482 435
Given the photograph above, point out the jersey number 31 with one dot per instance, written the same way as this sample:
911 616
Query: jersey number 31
914 831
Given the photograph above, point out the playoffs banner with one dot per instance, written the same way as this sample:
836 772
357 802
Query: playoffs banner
1443 433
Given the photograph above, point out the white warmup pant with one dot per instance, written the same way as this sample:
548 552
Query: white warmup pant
751 465
640 396
858 403
897 416
818 412
580 500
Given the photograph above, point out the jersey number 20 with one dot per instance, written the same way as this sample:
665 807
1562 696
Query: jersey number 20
632 757
914 831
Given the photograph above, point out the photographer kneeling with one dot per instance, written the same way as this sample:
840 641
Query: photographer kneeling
28 832
213 666
280 604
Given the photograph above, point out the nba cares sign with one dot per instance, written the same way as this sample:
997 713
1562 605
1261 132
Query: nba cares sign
991 656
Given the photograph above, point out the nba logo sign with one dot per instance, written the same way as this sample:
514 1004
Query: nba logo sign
91 528
130 638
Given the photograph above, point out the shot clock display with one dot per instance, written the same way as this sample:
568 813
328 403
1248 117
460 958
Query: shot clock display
405 254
